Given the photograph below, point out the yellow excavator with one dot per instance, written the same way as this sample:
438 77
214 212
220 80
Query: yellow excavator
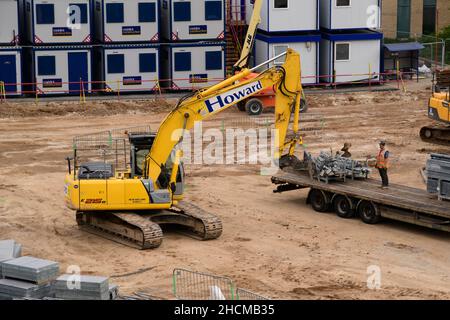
129 203
438 110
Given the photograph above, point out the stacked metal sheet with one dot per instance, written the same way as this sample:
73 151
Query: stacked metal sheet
22 289
31 269
9 249
438 175
70 287
328 167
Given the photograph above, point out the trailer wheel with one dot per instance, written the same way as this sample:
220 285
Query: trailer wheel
254 107
343 207
369 212
319 200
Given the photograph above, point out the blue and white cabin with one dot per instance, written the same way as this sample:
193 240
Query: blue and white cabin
267 47
287 15
192 66
189 20
11 70
58 21
128 68
349 57
62 70
126 21
9 22
350 14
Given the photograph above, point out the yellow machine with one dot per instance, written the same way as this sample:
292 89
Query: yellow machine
128 203
439 110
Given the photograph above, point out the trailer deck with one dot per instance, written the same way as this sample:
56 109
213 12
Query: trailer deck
399 202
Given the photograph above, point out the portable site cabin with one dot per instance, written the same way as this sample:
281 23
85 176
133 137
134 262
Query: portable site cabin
9 22
126 20
267 47
184 20
350 14
192 66
10 70
287 15
58 21
349 57
61 70
127 68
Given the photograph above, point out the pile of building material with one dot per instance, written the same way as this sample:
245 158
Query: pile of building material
438 175
73 287
443 79
9 249
327 167
29 278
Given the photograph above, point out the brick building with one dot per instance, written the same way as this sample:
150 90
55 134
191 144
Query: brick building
401 18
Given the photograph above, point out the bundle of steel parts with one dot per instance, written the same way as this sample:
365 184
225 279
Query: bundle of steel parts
327 167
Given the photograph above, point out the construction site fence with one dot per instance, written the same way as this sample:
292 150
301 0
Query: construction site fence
160 86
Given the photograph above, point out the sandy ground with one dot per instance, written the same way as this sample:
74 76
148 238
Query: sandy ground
274 245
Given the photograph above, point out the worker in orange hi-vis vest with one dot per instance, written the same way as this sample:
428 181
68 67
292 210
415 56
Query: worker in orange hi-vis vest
383 164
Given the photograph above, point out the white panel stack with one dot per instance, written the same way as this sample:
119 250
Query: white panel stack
31 269
58 21
126 21
70 287
9 249
9 22
184 20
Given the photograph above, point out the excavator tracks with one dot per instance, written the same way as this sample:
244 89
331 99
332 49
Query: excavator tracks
436 135
131 229
143 231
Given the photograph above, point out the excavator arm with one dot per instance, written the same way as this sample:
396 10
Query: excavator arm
285 79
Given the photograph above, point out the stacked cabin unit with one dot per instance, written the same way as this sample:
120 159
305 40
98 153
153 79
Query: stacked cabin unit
9 22
191 20
126 21
60 70
11 70
287 15
191 66
350 14
127 68
350 57
307 45
50 22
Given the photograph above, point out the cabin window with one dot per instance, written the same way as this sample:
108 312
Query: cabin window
147 62
277 50
281 4
46 66
213 60
342 51
343 3
147 12
45 14
116 63
213 10
182 11
114 13
83 19
183 61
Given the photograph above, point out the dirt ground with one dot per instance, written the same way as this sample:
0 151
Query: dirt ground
274 245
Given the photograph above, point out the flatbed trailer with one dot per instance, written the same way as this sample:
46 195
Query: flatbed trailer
366 199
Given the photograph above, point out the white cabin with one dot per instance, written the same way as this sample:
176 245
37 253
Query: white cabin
350 57
192 66
9 22
287 15
11 70
267 47
126 21
350 14
184 20
58 21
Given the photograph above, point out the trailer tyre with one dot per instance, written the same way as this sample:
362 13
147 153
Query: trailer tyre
343 207
369 212
254 107
319 200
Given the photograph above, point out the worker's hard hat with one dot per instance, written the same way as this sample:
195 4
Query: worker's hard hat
382 143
